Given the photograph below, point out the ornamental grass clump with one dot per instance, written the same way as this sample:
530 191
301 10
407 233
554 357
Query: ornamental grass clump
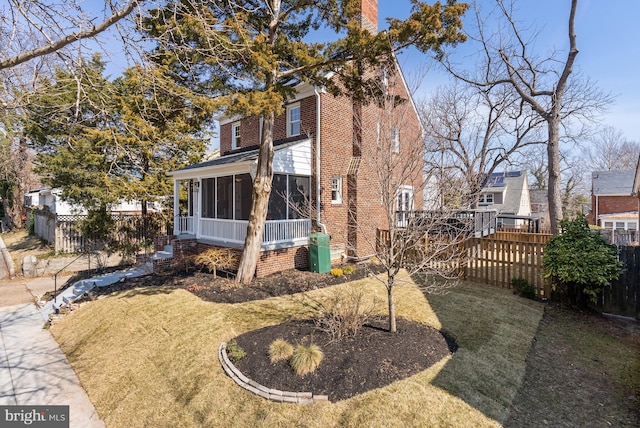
280 350
306 359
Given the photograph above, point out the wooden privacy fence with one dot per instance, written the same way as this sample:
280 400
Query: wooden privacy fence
498 261
62 230
622 297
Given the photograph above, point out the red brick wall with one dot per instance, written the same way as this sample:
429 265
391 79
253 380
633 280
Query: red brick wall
279 260
337 148
268 263
611 205
369 12
250 127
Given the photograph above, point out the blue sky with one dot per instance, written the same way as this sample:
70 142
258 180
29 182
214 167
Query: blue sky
606 37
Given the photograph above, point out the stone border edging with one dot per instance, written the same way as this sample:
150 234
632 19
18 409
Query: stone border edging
262 391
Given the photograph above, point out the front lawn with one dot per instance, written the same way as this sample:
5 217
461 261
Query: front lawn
148 357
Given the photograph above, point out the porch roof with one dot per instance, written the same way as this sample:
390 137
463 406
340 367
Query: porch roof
248 155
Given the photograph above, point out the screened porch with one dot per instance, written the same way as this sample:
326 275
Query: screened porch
225 203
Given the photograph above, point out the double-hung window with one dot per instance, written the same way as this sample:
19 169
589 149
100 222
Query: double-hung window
293 120
336 189
395 139
235 135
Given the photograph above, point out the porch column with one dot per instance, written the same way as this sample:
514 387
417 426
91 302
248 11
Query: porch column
176 207
197 203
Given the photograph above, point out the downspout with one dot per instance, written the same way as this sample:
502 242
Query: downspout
318 204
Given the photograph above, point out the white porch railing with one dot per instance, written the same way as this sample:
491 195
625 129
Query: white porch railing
234 232
184 225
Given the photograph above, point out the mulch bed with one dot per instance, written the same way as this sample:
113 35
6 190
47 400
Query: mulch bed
371 359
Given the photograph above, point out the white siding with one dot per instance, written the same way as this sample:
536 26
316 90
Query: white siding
293 160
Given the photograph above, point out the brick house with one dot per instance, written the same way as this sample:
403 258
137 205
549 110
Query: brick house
636 187
325 174
613 206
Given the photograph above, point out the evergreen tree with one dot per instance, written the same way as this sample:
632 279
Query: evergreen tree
247 54
102 142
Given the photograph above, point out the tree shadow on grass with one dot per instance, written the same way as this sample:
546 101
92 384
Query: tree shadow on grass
494 331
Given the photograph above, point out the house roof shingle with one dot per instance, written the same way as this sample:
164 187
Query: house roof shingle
612 182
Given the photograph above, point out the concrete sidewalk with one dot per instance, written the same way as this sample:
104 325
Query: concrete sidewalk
33 368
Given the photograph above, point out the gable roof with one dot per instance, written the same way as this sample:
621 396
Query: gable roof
612 183
512 184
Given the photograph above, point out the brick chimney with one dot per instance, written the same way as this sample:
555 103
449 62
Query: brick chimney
369 15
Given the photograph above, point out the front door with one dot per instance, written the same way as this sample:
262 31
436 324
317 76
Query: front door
405 205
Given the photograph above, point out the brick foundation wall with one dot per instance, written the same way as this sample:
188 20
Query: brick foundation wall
283 259
159 242
269 262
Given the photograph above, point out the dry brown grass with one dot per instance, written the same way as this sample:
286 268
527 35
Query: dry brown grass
148 357
20 244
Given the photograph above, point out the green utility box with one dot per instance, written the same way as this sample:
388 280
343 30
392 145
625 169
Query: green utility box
319 253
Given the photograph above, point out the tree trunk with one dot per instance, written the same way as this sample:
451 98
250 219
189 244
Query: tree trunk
553 192
390 302
258 215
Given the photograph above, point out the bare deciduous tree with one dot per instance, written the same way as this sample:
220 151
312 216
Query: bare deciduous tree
547 83
472 131
610 150
425 244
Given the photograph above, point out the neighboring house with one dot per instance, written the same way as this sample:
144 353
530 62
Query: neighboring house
508 194
540 206
320 165
613 205
49 200
636 187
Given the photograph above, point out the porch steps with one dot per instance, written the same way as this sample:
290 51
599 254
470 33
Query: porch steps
165 253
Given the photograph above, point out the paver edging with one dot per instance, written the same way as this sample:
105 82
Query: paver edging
261 390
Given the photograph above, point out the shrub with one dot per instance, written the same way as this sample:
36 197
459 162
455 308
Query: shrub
280 350
235 352
345 312
337 272
580 262
348 270
215 259
522 288
305 359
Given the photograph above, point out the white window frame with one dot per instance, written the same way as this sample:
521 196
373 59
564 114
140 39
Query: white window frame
486 198
291 123
336 189
395 139
235 136
614 224
404 205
